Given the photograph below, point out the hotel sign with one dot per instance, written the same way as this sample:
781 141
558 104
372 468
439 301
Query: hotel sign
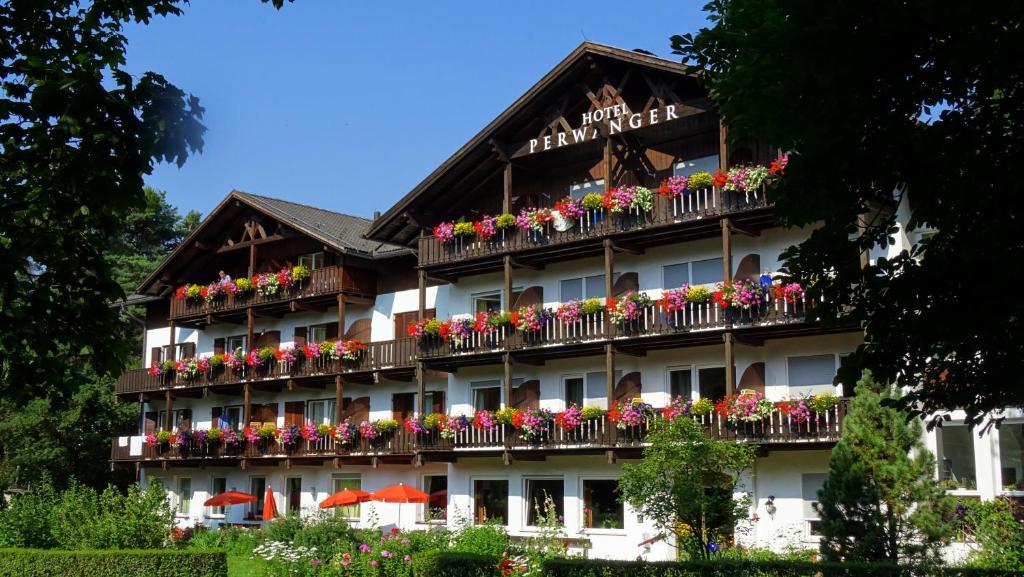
618 118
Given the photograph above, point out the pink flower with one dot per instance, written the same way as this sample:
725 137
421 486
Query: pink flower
364 548
385 554
373 563
314 562
407 559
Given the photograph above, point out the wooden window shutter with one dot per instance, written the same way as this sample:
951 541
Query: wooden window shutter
186 420
218 346
359 330
268 413
527 395
626 282
300 337
748 268
294 413
156 355
628 387
188 350
531 296
753 378
360 410
332 331
270 339
402 405
346 408
437 402
215 414
149 426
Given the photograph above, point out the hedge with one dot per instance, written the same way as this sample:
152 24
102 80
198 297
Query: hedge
729 568
445 564
113 563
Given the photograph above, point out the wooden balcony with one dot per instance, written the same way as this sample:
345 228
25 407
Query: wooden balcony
395 356
321 288
592 436
670 220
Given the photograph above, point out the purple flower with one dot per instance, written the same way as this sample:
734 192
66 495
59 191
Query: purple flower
407 559
373 563
314 562
385 554
405 541
364 548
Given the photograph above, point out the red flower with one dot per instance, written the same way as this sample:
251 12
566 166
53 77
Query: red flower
664 190
182 292
277 354
203 292
610 302
720 178
517 419
615 413
446 330
608 200
777 168
513 318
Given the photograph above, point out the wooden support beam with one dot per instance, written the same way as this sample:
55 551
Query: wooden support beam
421 390
723 145
507 294
341 316
619 246
609 270
506 361
244 464
506 200
730 364
422 274
296 306
250 323
170 349
744 230
520 263
374 462
506 459
337 463
246 405
252 260
726 250
633 353
251 243
609 367
290 384
339 396
611 457
267 314
168 405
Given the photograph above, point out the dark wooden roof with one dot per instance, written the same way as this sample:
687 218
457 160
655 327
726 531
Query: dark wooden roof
477 159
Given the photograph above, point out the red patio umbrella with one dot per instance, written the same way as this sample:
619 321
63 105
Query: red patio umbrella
269 505
345 498
400 494
229 498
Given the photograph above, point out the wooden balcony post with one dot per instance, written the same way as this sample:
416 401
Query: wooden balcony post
609 368
339 395
609 271
169 417
726 250
246 405
250 324
170 349
730 363
422 294
507 361
421 390
341 317
508 283
723 145
506 200
252 259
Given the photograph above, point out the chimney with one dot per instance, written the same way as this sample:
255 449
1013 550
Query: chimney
376 214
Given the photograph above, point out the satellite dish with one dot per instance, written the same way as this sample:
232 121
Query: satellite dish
561 223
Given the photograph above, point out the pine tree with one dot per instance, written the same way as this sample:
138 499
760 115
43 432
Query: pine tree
881 501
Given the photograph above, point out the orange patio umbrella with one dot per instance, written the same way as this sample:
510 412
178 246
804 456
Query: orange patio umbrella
269 505
229 498
345 498
400 494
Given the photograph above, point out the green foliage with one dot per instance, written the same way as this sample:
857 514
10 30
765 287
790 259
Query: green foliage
731 568
454 564
491 538
685 484
81 518
880 501
126 563
998 533
920 98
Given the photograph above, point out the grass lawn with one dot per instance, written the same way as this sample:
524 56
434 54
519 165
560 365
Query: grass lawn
243 566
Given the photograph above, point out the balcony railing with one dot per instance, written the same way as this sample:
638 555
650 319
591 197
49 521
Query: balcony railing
324 281
654 320
378 356
594 224
594 434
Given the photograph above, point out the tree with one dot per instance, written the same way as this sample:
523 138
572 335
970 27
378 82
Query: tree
686 483
881 501
920 97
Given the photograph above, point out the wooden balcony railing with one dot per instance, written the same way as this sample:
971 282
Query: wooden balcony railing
654 320
594 224
324 281
600 433
381 355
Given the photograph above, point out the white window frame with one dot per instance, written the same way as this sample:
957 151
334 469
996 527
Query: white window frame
485 294
583 285
286 494
997 440
358 506
940 454
565 390
217 512
808 535
161 417
508 497
836 360
526 505
318 327
179 499
477 385
315 260
328 417
426 506
583 503
228 340
679 168
689 273
698 392
252 507
694 387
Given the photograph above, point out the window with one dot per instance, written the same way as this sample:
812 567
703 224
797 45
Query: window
541 496
702 164
812 483
597 387
354 482
486 395
698 272
573 390
184 495
293 495
231 344
490 501
320 412
680 383
810 371
577 191
711 382
601 506
1011 456
486 302
316 333
436 487
313 260
218 485
230 418
258 487
675 275
433 402
956 457
585 287
178 419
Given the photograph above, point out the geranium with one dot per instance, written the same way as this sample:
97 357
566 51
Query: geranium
461 329
214 291
154 369
284 277
434 421
267 284
720 178
464 229
673 186
300 273
634 413
569 312
482 322
778 165
485 228
505 221
310 432
532 423
798 409
180 439
349 350
741 294
750 407
570 418
236 360
251 434
629 307
454 425
413 425
192 368
673 300
311 351
285 355
483 420
791 292
231 438
592 201
445 231
532 318
289 435
621 199
569 208
199 437
346 433
678 407
506 415
368 430
700 180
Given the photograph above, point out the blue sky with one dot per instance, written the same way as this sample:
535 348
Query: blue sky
349 106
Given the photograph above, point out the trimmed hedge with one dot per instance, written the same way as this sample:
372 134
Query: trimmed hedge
729 568
113 563
446 564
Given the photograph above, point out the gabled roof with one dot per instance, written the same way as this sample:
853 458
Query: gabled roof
341 232
472 150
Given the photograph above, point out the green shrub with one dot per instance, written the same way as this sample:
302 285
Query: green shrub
730 568
119 563
998 533
487 539
326 532
283 529
453 564
26 522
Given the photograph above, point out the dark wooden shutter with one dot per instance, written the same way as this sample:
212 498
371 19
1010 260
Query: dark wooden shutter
402 405
527 395
215 414
403 320
186 420
149 424
360 330
437 402
346 408
531 296
753 378
268 413
749 268
300 337
628 281
294 413
156 355
332 331
360 409
628 387
270 339
218 346
188 350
